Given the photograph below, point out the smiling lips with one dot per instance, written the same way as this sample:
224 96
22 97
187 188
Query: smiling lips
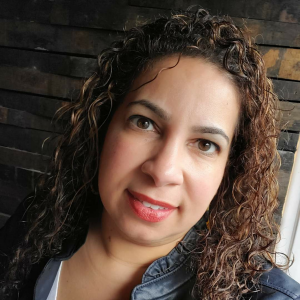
148 209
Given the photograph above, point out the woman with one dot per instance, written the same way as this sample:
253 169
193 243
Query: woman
178 119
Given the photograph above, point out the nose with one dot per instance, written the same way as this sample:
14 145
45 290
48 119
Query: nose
164 166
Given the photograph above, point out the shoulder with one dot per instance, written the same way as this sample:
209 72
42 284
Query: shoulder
276 285
280 284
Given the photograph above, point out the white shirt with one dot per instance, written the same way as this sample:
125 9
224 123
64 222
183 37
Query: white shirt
53 292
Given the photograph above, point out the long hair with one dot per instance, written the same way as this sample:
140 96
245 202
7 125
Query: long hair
241 225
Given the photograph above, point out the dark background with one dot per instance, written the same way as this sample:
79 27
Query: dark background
48 47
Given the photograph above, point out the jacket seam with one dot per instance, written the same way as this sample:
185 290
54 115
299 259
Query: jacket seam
166 276
172 291
281 289
171 255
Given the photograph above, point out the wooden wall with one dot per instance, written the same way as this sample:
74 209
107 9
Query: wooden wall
48 47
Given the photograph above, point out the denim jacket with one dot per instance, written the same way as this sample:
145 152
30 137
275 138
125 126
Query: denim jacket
169 277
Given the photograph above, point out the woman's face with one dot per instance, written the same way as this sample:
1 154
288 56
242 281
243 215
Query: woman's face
166 149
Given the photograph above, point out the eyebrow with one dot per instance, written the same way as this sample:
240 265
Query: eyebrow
156 109
166 116
212 130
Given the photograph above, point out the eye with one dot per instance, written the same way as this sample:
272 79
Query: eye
207 147
142 123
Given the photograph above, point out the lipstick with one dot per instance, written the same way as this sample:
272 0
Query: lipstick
149 209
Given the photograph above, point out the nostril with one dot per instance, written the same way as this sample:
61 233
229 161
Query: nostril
163 173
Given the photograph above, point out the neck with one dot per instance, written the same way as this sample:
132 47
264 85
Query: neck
105 240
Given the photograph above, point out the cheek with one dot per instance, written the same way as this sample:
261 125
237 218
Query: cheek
111 158
204 186
119 157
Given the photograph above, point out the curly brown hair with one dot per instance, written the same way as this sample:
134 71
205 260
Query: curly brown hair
241 225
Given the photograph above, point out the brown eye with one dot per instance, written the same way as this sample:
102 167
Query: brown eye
204 145
207 146
142 123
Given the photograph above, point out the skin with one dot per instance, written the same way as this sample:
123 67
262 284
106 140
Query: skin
166 159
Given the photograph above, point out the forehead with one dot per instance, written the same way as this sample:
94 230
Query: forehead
188 67
187 76
191 91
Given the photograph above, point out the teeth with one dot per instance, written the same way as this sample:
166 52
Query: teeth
156 207
146 204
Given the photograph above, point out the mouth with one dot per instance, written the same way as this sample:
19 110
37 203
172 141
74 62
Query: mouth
149 202
149 209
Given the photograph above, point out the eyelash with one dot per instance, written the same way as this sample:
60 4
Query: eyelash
136 117
141 117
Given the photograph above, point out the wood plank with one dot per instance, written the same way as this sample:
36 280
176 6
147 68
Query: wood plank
34 141
46 37
275 10
31 10
23 159
17 176
27 120
88 41
37 105
117 14
282 62
8 204
7 173
272 33
82 67
288 141
113 15
26 178
48 62
11 195
33 81
290 116
288 90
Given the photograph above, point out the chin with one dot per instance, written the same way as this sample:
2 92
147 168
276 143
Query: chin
155 234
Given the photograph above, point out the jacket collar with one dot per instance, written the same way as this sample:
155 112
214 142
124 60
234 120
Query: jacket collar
172 276
178 255
171 271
